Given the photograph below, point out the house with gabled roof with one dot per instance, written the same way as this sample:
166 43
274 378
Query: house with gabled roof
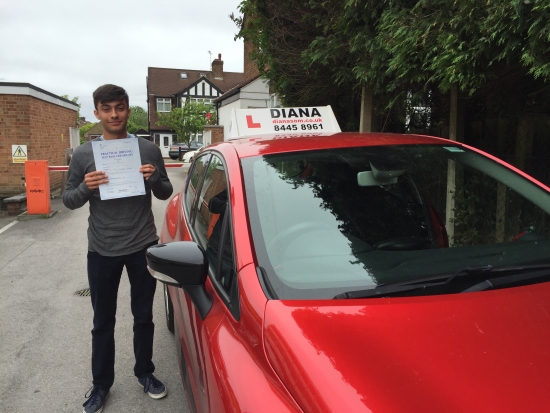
94 132
167 88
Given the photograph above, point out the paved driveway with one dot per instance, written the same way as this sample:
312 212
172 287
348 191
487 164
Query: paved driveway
45 340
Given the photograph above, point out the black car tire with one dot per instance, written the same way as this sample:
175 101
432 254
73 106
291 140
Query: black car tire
169 309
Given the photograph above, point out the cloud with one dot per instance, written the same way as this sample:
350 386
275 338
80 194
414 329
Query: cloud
72 47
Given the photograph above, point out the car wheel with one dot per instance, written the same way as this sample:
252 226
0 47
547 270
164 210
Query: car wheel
169 309
173 157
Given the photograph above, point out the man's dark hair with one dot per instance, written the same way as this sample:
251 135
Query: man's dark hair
109 93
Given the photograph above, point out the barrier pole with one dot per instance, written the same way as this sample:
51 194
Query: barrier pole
37 179
66 168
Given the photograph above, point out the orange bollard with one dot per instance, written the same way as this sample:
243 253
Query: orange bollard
37 177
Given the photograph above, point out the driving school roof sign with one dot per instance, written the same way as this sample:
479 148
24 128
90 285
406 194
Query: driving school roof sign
287 121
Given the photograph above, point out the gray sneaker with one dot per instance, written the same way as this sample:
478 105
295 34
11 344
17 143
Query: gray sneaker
153 387
96 400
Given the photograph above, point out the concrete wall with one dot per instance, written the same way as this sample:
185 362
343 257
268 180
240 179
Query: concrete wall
41 125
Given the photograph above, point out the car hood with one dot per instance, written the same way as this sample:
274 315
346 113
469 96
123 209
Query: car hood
474 352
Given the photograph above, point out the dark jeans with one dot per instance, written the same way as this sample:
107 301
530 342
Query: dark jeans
104 277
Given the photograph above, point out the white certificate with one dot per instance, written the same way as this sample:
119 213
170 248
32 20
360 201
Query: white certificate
120 160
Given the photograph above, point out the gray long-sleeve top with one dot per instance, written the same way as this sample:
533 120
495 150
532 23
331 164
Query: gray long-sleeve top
117 226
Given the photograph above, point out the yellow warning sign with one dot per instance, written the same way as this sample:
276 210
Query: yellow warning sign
19 153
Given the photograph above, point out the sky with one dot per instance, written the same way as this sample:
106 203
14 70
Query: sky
71 47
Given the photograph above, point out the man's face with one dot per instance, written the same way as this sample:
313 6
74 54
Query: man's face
113 116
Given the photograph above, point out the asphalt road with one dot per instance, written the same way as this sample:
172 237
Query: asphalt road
45 340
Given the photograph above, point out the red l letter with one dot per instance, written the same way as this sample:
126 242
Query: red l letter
251 124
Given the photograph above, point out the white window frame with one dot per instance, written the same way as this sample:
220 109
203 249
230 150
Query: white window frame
206 101
163 104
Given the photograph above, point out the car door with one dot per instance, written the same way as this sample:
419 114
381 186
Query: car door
207 215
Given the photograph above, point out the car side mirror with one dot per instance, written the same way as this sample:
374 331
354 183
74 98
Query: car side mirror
183 264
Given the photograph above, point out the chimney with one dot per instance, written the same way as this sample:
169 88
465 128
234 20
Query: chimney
217 67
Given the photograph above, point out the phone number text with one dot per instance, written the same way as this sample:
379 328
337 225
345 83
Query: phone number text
304 127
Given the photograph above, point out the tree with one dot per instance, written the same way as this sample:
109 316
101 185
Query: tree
138 118
467 42
131 127
281 32
188 120
402 50
86 128
494 51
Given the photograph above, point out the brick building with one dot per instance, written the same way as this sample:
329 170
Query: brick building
40 120
249 67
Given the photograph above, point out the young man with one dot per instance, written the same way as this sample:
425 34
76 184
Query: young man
119 233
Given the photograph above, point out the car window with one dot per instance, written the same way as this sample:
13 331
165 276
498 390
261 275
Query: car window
212 223
195 175
326 222
226 270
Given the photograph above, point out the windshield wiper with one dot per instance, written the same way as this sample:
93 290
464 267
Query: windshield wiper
385 290
509 281
521 275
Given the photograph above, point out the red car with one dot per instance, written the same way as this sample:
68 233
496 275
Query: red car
358 273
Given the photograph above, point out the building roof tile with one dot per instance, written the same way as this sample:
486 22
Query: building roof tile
163 82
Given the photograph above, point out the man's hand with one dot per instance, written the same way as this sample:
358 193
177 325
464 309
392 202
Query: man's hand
94 179
147 170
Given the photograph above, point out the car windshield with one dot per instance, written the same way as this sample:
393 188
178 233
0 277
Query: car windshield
329 221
